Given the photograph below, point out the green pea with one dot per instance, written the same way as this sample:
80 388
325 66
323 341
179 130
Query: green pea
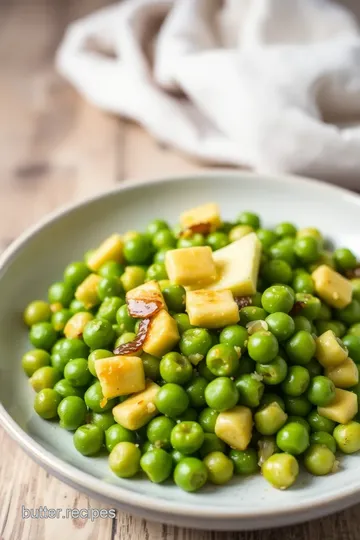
320 423
44 377
174 296
207 419
250 390
310 305
245 461
42 335
46 403
196 239
280 470
126 337
249 218
65 389
75 273
159 256
124 459
60 318
219 467
124 319
190 474
156 271
88 439
217 240
137 249
111 269
307 248
303 283
348 315
176 368
132 277
277 271
285 229
34 360
277 298
94 399
116 434
281 325
302 323
321 391
61 292
352 342
301 348
269 419
190 415
77 372
109 308
66 350
195 343
344 259
246 365
269 397
234 335
273 373
284 250
354 330
293 438
37 312
319 460
222 360
155 226
325 439
297 405
221 394
159 430
296 382
314 368
204 371
76 306
183 322
172 400
263 347
96 355
109 286
164 239
156 464
151 366
72 412
196 391
347 437
187 437
98 334
251 313
211 443
337 327
299 420
325 312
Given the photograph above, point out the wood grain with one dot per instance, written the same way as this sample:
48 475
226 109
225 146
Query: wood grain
56 149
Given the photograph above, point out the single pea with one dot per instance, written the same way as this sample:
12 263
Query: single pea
164 239
159 430
246 365
310 305
98 334
251 313
222 360
354 330
124 319
159 256
217 240
277 298
221 394
302 323
137 249
303 283
249 218
320 423
76 306
68 349
352 342
111 269
299 420
273 373
109 286
151 366
325 439
116 434
281 325
65 389
132 277
204 371
174 296
190 415
277 271
219 467
263 347
94 399
96 355
175 368
344 259
42 335
72 412
307 248
325 312
337 327
321 391
196 391
284 249
347 437
269 419
267 238
196 239
75 273
234 335
245 461
172 400
46 403
297 405
77 372
207 419
37 312
348 315
61 292
156 464
280 470
293 438
250 390
124 459
314 368
88 439
301 348
211 443
183 322
296 382
187 437
156 271
44 377
319 460
190 474
269 397
34 360
195 342
109 308
285 229
60 318
155 226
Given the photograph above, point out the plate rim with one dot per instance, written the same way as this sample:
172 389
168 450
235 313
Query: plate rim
118 494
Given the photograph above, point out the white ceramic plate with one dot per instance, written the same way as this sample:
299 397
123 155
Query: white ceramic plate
37 259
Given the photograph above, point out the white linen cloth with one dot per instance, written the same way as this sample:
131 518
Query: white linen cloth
236 82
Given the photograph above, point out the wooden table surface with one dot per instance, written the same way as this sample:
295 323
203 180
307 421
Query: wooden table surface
55 148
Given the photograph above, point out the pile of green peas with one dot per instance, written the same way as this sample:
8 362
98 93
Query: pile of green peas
272 370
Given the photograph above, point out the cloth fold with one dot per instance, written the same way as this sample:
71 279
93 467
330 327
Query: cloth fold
235 82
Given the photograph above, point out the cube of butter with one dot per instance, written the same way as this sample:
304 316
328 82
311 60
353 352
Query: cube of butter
120 375
234 427
149 291
332 287
343 407
211 309
237 266
110 250
139 409
162 335
190 266
206 213
345 375
87 291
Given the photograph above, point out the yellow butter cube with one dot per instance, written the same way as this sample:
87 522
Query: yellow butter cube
206 213
74 328
330 351
120 375
332 287
345 375
234 427
342 409
211 309
87 291
110 250
190 266
149 291
237 266
139 409
163 334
